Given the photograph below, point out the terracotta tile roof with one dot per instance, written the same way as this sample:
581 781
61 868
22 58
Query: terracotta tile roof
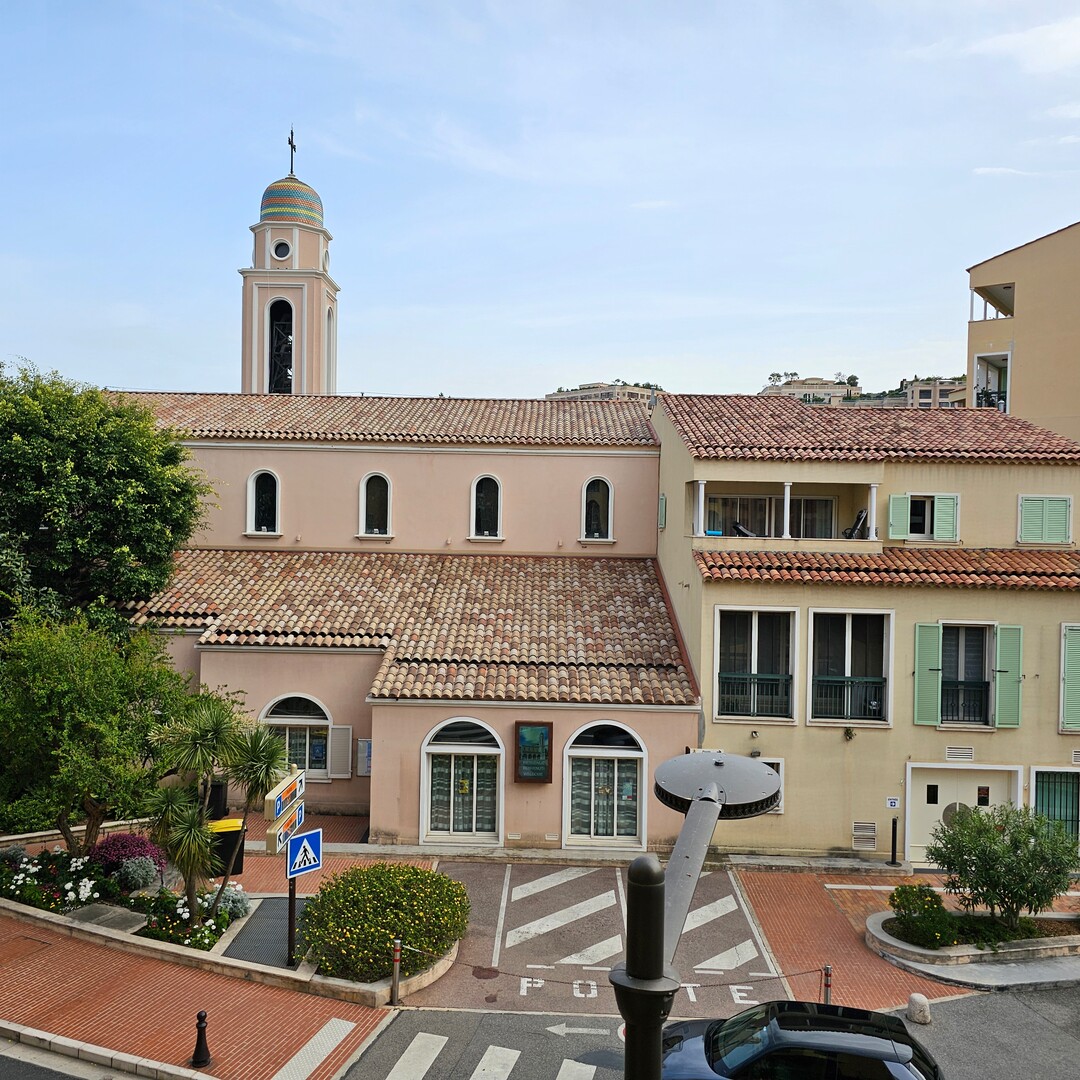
439 421
734 426
495 628
950 568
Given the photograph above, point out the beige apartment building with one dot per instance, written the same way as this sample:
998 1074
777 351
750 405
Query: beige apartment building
881 605
1024 332
605 391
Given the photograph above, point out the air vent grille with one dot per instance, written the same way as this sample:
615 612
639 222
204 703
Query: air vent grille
1076 757
959 753
864 836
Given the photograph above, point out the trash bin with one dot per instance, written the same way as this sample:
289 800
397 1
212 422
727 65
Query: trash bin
229 837
219 800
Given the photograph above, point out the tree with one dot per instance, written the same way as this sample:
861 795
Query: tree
214 738
853 380
790 375
776 378
97 497
1007 859
76 709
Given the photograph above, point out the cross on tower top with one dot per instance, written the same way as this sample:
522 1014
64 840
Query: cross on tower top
292 151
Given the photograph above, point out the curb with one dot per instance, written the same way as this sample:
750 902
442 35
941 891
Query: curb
304 979
99 1055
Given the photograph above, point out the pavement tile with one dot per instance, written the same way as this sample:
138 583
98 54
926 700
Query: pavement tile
808 926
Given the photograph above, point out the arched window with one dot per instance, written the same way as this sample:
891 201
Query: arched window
605 764
304 728
280 348
263 501
596 510
375 505
487 508
462 782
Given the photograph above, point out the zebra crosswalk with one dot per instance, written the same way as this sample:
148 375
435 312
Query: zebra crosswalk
497 1062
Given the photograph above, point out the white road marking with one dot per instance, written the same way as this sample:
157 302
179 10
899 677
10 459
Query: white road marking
419 1056
549 881
496 1063
542 967
755 929
744 952
315 1051
558 919
602 950
574 1070
622 897
709 912
502 919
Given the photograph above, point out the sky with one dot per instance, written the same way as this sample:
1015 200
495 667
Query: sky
527 194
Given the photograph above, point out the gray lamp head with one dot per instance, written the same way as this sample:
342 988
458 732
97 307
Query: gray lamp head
742 786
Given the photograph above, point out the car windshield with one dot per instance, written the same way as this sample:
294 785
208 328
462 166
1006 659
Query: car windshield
735 1040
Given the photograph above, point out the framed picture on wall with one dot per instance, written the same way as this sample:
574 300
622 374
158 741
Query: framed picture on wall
532 752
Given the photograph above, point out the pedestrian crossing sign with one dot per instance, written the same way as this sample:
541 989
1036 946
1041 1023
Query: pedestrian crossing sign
303 853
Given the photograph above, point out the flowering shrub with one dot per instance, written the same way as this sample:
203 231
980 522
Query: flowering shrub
117 848
921 918
168 919
349 926
51 880
135 874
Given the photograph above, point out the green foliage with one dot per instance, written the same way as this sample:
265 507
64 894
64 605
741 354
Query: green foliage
921 919
52 881
76 708
97 497
170 919
135 874
349 926
1006 859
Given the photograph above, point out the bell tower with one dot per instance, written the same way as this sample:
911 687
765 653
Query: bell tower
290 300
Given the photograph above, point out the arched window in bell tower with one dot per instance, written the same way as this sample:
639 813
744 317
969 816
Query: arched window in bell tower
281 347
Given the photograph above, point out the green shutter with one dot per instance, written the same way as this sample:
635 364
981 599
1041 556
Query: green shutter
1032 519
899 517
927 673
1007 676
945 517
1045 519
1070 680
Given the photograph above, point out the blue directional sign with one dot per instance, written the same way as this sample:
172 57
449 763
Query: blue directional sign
303 853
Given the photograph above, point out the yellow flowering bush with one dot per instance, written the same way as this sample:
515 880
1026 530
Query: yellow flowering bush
348 927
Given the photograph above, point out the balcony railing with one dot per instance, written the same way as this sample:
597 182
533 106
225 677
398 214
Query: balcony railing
753 695
837 697
965 702
990 399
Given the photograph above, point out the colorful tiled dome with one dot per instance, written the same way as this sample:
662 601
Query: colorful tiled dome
290 199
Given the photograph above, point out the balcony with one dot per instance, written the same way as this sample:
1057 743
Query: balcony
740 694
839 697
965 702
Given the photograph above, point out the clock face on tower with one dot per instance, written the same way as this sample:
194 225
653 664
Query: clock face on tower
281 249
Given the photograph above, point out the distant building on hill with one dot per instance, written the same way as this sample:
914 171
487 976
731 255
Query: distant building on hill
603 391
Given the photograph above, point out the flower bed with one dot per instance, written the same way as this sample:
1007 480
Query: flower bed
52 880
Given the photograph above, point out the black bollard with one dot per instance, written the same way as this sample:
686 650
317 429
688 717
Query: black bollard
201 1058
894 861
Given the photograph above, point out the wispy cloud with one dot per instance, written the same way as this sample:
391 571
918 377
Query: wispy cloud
1042 50
998 170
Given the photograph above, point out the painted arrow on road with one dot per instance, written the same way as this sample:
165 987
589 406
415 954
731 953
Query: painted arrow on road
562 1029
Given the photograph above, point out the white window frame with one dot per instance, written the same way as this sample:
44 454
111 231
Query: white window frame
793 647
363 534
610 538
929 499
302 722
428 749
772 762
989 652
888 666
644 786
774 523
251 504
472 510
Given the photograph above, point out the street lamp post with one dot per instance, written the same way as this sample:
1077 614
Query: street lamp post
705 787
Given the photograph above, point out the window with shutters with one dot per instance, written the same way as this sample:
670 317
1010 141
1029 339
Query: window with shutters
1044 519
924 517
1070 678
968 674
